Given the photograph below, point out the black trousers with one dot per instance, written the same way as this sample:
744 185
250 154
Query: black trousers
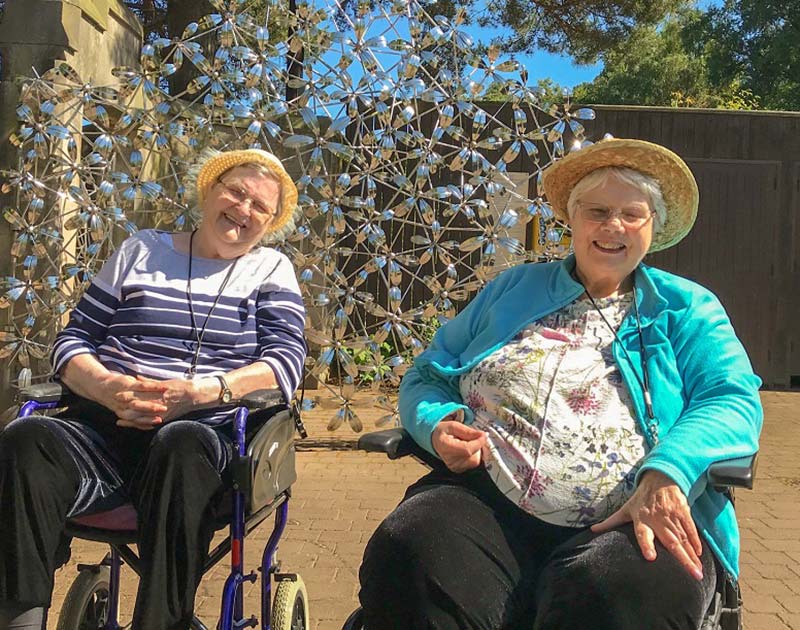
55 468
456 554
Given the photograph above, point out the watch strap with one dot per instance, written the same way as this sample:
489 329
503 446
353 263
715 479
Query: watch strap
225 393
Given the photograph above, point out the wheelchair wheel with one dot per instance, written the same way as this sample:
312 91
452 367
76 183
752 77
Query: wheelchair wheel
290 606
87 601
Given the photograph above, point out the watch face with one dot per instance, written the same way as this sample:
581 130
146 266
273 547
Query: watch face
226 396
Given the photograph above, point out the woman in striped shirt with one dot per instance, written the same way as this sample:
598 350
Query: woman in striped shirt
173 328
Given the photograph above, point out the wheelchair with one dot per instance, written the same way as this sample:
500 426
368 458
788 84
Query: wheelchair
725 611
262 473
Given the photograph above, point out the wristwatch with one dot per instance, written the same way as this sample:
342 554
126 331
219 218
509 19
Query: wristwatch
225 394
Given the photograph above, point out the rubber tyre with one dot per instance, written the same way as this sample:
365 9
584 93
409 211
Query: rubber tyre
87 601
290 606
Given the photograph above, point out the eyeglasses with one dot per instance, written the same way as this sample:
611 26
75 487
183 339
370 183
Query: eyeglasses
629 217
239 195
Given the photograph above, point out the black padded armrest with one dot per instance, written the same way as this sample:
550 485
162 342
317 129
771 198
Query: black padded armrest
263 399
393 442
739 472
46 393
396 443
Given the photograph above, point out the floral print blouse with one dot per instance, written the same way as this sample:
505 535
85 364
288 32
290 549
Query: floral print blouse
564 443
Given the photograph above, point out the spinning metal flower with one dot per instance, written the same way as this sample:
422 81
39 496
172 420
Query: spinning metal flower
415 192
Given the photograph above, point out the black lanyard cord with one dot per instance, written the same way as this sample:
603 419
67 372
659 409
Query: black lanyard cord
644 381
199 335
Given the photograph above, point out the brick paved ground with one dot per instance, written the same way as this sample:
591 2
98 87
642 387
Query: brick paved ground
342 494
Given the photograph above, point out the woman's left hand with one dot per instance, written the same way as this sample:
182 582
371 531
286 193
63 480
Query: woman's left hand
181 396
659 509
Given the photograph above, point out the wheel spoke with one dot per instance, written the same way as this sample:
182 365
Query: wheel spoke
299 615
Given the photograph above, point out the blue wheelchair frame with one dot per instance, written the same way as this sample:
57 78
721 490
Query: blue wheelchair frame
725 612
53 395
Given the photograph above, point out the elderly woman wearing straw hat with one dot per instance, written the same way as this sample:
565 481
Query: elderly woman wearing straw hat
575 407
170 331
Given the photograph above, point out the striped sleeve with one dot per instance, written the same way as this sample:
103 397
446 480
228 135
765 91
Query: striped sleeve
280 320
89 320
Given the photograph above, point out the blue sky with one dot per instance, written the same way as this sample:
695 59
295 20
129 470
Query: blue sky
560 68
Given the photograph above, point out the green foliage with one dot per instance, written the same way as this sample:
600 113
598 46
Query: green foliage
742 55
550 93
372 360
582 28
666 66
375 358
756 42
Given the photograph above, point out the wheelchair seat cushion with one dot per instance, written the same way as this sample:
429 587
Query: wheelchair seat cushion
120 519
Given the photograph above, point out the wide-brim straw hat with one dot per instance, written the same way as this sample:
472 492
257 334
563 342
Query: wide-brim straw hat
214 163
678 185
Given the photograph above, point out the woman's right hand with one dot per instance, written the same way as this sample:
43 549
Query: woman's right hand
137 403
458 445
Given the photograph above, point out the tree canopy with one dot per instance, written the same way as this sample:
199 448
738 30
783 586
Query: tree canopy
756 42
581 28
660 66
744 54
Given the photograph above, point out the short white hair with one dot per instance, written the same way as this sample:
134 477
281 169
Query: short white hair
646 184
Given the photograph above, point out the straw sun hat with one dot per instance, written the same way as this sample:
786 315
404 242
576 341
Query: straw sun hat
213 163
677 183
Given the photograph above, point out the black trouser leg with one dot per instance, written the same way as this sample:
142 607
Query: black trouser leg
173 492
455 554
603 582
14 618
38 483
449 557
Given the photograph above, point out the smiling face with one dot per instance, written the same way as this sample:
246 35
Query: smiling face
607 253
237 212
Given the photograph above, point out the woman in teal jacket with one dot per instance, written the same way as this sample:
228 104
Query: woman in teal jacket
575 406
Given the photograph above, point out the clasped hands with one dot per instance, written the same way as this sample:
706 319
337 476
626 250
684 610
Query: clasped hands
144 403
658 508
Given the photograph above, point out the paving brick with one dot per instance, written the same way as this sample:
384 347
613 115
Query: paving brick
791 620
759 603
761 622
790 603
774 572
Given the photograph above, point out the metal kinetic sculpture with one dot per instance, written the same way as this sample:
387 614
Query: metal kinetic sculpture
415 192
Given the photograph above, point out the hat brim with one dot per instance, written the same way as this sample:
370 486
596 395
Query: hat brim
215 166
678 185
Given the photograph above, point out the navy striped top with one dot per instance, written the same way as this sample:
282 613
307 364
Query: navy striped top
134 316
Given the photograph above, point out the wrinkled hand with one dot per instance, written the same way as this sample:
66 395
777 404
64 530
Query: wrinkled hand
458 445
137 403
179 396
659 509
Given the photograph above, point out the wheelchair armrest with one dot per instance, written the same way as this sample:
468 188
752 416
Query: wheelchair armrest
46 393
395 443
263 399
739 472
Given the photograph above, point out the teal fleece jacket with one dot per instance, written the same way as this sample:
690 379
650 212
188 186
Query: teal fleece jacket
704 391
